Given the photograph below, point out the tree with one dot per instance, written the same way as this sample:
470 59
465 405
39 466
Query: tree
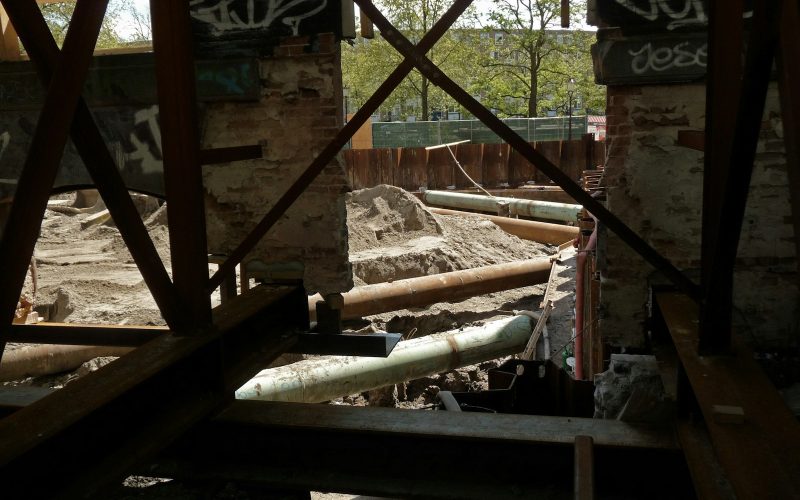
366 63
527 60
119 12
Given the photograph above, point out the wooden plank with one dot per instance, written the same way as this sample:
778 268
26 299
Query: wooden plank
707 475
441 169
760 456
584 468
521 171
495 165
465 425
550 150
573 158
470 157
387 162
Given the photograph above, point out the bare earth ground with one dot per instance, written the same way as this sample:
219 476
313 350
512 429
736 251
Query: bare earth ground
392 236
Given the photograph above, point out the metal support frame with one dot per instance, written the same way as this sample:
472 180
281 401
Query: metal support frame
101 165
144 400
47 146
437 77
148 398
183 179
337 143
730 158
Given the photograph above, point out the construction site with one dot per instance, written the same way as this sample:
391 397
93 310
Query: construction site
222 280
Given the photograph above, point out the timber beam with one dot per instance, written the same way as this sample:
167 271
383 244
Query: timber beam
97 429
755 437
391 452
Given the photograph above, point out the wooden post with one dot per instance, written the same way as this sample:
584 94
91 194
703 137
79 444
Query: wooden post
9 43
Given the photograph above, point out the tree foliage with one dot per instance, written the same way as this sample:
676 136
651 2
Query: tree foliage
119 12
530 59
517 63
367 63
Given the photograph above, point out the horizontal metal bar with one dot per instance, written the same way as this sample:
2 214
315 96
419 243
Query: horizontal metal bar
96 335
396 453
226 155
144 400
759 452
375 345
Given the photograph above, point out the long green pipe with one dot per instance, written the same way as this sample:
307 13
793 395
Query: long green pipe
324 379
562 212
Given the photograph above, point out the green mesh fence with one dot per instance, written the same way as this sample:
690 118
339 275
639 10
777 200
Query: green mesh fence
421 134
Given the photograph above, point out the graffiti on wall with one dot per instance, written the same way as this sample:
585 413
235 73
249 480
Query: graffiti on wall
650 59
133 136
227 15
642 60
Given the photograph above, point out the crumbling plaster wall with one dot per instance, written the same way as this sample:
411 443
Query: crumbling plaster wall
299 112
655 186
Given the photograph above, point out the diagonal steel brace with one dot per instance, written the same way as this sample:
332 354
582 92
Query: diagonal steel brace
336 144
437 76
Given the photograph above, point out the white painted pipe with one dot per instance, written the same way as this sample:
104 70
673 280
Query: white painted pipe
549 210
324 379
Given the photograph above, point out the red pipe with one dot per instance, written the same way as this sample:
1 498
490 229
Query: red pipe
580 277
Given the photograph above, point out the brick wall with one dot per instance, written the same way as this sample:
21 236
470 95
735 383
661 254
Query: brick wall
299 112
655 186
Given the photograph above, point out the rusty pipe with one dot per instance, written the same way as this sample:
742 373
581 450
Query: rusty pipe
38 360
542 232
425 290
580 299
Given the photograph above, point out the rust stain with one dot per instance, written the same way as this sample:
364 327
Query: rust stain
455 356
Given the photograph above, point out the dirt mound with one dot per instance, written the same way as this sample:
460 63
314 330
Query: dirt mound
386 216
393 236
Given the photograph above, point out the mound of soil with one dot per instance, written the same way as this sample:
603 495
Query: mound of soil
393 236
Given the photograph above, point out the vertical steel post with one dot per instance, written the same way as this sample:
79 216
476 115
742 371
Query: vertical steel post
183 181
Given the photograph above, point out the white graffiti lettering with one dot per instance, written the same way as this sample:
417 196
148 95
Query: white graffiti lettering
650 59
142 149
224 18
692 11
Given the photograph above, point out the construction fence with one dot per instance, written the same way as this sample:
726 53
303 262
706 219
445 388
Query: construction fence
422 134
491 165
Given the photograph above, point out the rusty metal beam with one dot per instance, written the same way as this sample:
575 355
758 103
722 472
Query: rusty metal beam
101 165
225 155
754 435
723 228
336 144
59 446
789 69
436 76
723 87
183 180
47 146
